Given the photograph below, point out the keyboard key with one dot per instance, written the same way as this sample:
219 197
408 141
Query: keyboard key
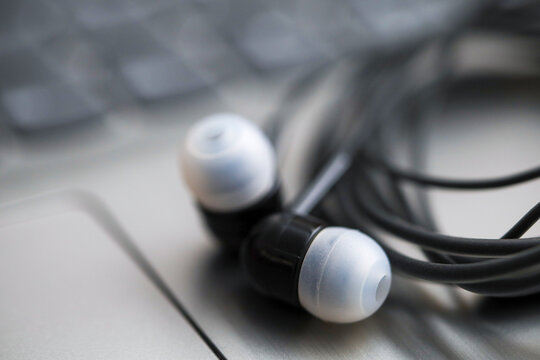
331 22
23 67
196 41
271 40
35 97
27 22
397 22
77 61
263 32
150 69
230 14
158 76
97 14
46 105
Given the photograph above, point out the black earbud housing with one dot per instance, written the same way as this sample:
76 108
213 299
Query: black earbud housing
337 274
231 228
273 253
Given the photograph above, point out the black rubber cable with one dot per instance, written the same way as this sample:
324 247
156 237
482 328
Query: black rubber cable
370 196
457 184
515 286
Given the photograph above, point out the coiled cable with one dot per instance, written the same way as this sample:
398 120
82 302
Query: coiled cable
369 195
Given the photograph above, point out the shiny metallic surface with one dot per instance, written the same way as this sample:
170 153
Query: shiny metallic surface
69 291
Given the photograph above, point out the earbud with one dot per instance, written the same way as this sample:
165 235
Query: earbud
337 274
230 167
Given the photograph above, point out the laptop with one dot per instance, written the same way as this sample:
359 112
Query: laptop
102 252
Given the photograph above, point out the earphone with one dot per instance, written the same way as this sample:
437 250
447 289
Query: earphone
323 264
230 167
337 274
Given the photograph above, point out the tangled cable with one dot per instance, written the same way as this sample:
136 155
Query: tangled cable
369 194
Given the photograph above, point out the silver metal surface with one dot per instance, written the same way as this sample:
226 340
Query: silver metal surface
69 291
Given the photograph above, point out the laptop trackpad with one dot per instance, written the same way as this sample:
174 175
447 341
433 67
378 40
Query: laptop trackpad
67 290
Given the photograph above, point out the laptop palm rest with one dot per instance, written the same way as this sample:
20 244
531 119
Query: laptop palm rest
68 290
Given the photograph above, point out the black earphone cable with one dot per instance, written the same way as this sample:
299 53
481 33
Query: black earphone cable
499 276
425 238
456 184
367 192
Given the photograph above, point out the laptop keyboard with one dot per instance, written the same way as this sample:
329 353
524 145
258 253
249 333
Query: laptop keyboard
66 61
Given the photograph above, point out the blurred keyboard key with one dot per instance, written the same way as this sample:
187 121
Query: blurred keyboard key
264 33
23 67
331 22
159 76
100 13
125 41
27 22
230 14
394 22
35 96
150 69
198 43
78 61
272 40
96 14
47 105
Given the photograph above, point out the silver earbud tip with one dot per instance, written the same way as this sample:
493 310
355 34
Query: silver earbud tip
345 276
227 162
